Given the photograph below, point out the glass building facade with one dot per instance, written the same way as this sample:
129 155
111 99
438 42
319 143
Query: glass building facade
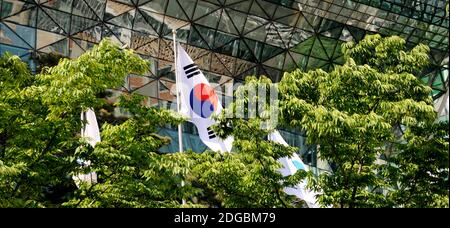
228 39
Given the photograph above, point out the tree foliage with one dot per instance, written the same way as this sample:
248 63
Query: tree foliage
418 172
40 140
358 112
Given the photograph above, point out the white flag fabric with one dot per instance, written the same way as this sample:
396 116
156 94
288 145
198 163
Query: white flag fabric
92 134
91 131
199 101
290 166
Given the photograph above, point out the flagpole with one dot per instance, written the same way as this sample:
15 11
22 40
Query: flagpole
180 135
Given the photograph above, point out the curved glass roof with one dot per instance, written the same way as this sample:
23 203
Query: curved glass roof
228 39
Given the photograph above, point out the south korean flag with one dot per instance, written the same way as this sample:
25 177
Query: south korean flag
199 101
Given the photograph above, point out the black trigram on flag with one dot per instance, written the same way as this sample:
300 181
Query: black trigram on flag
191 70
211 133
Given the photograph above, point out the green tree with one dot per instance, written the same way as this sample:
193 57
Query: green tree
418 171
132 171
40 140
356 113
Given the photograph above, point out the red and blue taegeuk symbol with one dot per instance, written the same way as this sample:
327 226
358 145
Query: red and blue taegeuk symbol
203 100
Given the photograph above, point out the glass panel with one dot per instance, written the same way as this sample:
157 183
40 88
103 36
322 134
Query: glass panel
167 91
114 9
154 19
211 20
13 50
242 66
93 34
166 50
258 34
276 62
62 19
80 23
333 33
195 38
205 40
438 82
217 2
139 40
346 36
129 2
81 9
270 51
61 47
45 38
314 63
47 23
194 52
169 24
278 35
165 70
121 34
97 6
250 50
282 12
63 5
169 105
267 7
17 35
214 80
204 8
312 22
289 63
256 10
358 34
444 73
273 74
174 10
10 7
201 57
222 64
305 46
425 80
124 20
335 9
255 22
188 7
226 45
157 6
329 45
27 17
240 78
290 20
242 6
183 29
226 24
142 25
299 59
143 85
329 25
74 49
298 36
85 45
